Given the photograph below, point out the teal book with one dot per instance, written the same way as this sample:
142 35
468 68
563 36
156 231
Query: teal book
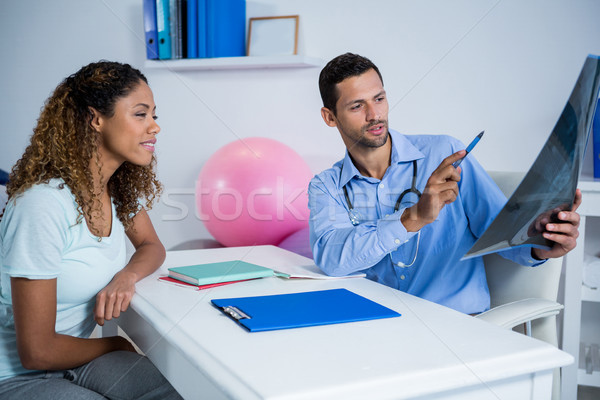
296 310
163 29
228 271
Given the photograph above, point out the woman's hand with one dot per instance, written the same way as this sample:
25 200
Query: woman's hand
149 255
115 297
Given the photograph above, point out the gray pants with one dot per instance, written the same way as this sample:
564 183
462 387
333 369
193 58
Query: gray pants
117 375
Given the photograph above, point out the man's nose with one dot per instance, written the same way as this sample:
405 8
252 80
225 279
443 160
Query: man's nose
373 113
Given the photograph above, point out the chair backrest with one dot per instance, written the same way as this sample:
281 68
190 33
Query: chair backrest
509 281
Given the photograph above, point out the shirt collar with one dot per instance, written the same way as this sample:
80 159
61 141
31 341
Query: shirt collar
402 151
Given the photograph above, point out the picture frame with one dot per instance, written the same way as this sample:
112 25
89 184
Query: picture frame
273 36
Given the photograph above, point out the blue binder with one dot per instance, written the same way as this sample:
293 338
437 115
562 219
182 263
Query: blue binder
226 28
202 33
296 310
150 29
163 28
192 29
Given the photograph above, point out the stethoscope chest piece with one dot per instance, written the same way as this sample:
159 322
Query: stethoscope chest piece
354 217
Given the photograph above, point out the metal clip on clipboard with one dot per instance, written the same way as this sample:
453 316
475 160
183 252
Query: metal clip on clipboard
235 313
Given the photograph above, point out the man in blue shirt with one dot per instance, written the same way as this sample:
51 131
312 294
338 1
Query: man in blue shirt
396 209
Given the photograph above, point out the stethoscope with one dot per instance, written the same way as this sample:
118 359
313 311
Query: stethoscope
355 217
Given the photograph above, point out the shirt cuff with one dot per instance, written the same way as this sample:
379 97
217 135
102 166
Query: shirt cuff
392 233
525 257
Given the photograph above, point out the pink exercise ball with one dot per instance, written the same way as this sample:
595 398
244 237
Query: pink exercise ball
253 191
298 242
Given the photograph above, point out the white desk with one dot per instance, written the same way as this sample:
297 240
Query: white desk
429 352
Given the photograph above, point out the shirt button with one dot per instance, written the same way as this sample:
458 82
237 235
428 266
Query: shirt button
382 186
387 215
402 277
397 241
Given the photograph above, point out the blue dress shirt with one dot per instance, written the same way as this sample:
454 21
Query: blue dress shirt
380 240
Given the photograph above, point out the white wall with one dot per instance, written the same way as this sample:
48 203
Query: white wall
453 67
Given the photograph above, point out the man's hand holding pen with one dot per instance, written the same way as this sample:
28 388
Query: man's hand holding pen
441 189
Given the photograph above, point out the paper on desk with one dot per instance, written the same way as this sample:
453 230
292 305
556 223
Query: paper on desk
307 272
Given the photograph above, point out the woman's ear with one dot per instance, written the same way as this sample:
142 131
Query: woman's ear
96 119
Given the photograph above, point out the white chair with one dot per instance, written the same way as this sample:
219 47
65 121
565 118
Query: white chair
523 298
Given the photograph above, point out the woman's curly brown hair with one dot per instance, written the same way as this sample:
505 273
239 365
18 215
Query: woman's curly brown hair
64 143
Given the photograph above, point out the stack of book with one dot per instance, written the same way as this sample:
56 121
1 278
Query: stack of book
205 276
176 29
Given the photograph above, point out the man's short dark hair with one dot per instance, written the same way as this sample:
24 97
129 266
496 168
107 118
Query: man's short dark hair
338 69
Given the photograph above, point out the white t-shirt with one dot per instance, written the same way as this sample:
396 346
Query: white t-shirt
40 239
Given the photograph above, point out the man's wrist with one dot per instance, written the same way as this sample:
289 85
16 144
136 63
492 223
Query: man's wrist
410 220
535 255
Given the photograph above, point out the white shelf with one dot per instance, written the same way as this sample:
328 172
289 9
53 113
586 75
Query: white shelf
583 378
226 63
588 294
588 379
589 183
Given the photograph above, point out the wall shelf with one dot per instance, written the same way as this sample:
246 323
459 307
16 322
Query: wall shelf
228 63
588 379
575 293
588 294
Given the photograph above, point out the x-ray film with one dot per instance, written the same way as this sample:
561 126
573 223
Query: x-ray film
549 186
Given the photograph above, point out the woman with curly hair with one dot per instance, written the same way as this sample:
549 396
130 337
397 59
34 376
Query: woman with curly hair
84 182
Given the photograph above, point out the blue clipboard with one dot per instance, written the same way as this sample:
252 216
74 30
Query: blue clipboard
296 310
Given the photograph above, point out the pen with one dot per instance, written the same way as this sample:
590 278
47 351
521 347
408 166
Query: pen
469 148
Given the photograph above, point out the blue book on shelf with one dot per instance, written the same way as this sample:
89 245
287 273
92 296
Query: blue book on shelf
150 29
226 28
192 29
202 29
163 27
596 139
296 310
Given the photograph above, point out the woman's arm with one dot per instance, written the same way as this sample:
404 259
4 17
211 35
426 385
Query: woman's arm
38 344
149 255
